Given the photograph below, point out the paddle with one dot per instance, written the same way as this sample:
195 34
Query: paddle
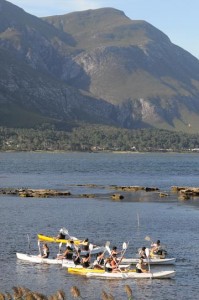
147 238
106 245
90 248
65 231
28 243
161 247
60 245
147 251
124 247
108 249
39 248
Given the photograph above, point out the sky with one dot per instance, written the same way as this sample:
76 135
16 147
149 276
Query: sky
178 19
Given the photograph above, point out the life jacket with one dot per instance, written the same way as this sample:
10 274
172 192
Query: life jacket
77 260
86 264
69 255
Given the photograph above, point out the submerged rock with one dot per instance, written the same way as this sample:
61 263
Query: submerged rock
34 192
186 192
117 197
134 188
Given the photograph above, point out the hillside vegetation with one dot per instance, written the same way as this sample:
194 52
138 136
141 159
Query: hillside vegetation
96 138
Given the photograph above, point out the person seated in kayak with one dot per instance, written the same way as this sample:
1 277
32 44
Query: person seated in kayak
107 264
85 245
71 244
142 253
114 252
141 266
45 251
68 254
77 258
99 262
86 261
100 258
61 235
111 265
157 249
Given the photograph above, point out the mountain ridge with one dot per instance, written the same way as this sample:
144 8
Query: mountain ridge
114 71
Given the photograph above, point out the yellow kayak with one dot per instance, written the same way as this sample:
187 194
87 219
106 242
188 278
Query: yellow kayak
51 239
83 271
97 273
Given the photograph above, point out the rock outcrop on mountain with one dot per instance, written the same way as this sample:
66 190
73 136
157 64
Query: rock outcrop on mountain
95 66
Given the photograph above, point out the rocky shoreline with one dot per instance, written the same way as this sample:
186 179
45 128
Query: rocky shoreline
183 193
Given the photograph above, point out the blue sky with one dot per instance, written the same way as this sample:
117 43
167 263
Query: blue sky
178 19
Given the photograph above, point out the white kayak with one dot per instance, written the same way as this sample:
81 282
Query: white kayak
39 260
132 274
152 261
95 250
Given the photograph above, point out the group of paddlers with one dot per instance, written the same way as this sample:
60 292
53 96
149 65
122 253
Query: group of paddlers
110 263
156 249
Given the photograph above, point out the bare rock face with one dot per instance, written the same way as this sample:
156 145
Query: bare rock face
96 66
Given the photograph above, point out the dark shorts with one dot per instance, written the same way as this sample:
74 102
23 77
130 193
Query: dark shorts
138 271
108 269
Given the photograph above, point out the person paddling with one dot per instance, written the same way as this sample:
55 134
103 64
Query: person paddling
61 235
68 254
142 253
141 266
77 258
111 265
45 251
86 261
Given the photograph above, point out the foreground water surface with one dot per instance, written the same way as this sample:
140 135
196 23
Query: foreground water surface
174 223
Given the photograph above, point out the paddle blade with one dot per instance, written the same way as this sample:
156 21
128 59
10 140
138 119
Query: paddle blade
124 246
107 244
64 230
90 247
108 249
147 251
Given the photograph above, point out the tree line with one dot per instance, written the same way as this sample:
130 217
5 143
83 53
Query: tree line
96 138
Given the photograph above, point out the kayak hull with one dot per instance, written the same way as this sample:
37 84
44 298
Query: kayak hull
80 270
132 274
83 271
50 239
121 275
39 260
152 261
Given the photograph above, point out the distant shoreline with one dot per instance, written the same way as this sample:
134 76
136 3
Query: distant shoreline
95 152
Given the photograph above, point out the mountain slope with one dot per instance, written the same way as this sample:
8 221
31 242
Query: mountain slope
134 65
95 66
29 98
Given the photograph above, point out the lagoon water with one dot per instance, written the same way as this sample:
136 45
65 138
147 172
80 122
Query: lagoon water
175 223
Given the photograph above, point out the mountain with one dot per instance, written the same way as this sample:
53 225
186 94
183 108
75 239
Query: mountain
94 66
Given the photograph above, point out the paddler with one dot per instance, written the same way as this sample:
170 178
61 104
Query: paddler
61 235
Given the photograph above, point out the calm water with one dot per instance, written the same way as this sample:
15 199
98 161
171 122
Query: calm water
174 223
